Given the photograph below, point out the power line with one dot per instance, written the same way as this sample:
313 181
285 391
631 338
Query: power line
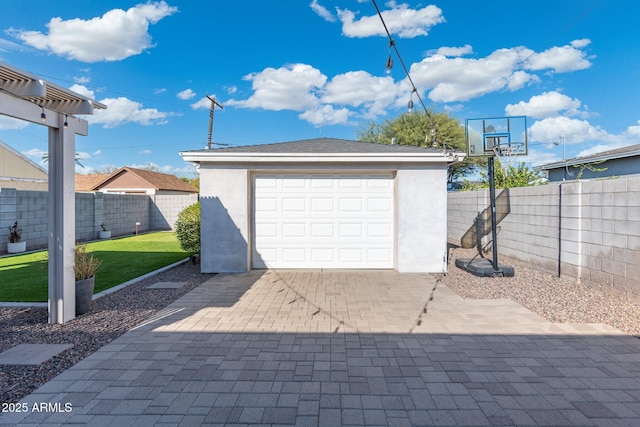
392 43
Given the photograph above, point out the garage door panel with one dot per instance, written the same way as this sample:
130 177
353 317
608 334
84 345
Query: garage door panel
267 204
351 204
294 230
375 230
322 255
323 221
323 230
322 204
351 230
379 204
294 204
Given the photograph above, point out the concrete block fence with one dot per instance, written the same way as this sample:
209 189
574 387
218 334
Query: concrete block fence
586 230
119 213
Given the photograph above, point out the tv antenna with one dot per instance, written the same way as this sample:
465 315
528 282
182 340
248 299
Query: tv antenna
214 103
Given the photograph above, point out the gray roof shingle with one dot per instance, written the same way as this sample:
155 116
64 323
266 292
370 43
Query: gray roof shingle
323 146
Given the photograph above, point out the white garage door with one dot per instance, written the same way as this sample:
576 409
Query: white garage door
323 221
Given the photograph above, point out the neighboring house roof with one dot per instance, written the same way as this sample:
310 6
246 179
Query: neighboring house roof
326 147
618 153
88 182
138 178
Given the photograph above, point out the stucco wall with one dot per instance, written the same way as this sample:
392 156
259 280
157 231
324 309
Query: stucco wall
224 216
226 211
587 230
421 218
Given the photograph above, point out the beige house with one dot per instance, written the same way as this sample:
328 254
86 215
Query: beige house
17 171
128 180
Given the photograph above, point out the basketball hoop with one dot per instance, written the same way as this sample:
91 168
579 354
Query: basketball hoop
508 152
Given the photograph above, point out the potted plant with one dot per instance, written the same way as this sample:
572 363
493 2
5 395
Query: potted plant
16 244
85 267
104 233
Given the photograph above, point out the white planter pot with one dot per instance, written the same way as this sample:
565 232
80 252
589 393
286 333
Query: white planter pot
105 234
15 248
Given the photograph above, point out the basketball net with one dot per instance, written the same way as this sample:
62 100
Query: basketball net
507 153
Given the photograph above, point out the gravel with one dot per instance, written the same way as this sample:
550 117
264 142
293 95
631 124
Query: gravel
558 300
111 316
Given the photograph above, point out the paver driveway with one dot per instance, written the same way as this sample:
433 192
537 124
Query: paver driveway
348 348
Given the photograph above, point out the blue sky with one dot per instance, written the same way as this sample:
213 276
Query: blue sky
288 70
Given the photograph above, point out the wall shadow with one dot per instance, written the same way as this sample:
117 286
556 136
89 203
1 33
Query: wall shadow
482 223
224 249
186 361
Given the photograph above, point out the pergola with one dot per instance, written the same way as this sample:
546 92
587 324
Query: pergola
25 96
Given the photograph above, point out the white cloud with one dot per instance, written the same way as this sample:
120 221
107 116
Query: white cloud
144 152
461 79
322 11
359 88
455 51
400 20
186 94
286 88
97 153
11 123
561 59
82 80
634 131
116 35
83 90
542 106
326 115
574 131
451 79
36 154
203 103
444 76
159 91
121 111
231 89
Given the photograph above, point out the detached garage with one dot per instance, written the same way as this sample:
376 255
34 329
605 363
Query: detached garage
323 203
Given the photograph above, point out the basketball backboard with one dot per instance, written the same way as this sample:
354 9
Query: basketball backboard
497 136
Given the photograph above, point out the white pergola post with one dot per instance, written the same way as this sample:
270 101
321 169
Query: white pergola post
27 97
62 219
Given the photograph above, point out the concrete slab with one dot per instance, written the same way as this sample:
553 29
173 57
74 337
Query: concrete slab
167 285
31 354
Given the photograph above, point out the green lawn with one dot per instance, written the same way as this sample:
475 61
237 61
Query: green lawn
24 277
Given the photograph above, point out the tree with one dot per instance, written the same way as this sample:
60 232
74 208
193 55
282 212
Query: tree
194 182
508 176
415 129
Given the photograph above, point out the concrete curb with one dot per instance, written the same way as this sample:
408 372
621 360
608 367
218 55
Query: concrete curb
100 294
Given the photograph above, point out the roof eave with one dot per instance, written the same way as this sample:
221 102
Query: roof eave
217 157
583 160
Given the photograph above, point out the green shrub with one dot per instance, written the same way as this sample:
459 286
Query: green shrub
188 229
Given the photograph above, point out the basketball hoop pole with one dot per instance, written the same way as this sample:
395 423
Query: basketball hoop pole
492 197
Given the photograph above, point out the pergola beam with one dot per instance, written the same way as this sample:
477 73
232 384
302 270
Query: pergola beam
22 109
